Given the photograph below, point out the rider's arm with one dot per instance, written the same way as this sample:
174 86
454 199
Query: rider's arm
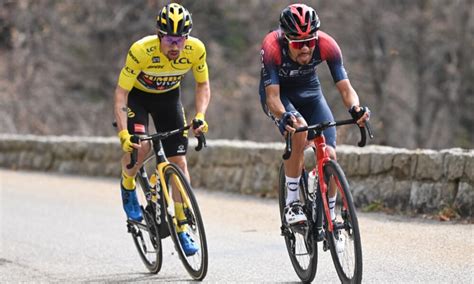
203 88
201 75
271 60
348 94
351 99
203 96
125 83
120 107
331 53
273 100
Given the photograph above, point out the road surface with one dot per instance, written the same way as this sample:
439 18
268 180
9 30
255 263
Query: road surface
60 228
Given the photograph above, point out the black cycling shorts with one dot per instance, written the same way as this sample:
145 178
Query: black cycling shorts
167 113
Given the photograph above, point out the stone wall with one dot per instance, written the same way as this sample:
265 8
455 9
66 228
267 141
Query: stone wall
424 181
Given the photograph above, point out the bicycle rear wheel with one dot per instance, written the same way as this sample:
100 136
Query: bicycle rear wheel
300 242
147 240
344 240
195 264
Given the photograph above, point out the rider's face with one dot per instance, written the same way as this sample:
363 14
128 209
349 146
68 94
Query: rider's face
301 50
171 46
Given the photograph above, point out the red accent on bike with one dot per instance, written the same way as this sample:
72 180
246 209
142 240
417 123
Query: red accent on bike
322 156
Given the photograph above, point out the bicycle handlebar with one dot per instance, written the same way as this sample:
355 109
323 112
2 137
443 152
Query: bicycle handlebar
325 125
163 135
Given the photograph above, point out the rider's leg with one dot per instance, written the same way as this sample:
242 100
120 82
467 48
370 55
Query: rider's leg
178 200
168 114
182 164
137 124
128 186
294 165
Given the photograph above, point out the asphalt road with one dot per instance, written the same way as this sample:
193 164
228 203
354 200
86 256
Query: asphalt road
57 228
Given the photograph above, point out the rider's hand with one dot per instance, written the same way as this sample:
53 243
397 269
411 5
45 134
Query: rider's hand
126 142
202 122
360 114
286 122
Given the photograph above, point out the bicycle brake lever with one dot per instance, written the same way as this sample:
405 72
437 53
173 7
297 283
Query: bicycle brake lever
287 153
201 142
363 137
201 138
134 154
369 129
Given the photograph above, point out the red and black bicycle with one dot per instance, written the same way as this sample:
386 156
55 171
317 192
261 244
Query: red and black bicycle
340 235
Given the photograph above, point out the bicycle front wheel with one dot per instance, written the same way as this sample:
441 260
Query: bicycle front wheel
300 242
344 240
191 222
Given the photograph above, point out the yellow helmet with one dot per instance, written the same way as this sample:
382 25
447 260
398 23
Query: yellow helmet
174 20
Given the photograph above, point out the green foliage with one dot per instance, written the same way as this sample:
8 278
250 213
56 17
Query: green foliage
374 206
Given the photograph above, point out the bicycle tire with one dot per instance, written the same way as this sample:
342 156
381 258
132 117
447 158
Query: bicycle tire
347 258
305 267
196 265
143 232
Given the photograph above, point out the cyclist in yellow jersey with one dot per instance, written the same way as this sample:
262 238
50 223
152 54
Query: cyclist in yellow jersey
149 84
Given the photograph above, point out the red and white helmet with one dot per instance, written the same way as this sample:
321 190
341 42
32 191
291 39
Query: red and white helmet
299 20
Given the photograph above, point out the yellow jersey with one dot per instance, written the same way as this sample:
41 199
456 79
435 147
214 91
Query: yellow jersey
149 70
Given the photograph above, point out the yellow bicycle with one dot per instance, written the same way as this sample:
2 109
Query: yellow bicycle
169 207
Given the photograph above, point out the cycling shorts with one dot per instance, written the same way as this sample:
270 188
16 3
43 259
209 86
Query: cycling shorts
310 104
167 113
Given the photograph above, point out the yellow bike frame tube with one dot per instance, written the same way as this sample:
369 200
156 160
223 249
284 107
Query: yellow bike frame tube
184 195
160 168
164 186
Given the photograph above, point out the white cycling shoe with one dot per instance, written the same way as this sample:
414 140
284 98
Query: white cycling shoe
294 213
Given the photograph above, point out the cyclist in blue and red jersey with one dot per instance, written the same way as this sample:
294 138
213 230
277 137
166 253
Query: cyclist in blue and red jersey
291 94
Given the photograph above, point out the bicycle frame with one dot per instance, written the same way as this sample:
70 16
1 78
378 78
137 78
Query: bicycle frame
322 157
161 163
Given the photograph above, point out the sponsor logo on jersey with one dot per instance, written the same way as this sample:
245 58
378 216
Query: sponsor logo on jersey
151 49
159 82
181 63
130 53
182 60
283 73
155 59
294 73
155 66
130 70
188 47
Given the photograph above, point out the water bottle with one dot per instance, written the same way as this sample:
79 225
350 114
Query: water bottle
312 180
